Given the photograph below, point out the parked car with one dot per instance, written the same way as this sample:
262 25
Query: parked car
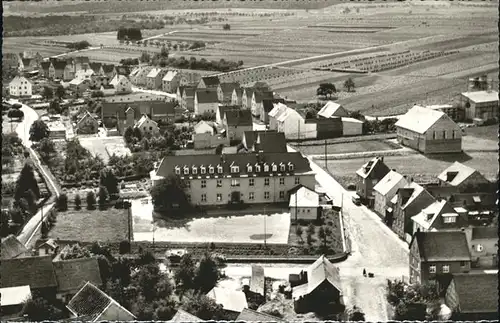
356 199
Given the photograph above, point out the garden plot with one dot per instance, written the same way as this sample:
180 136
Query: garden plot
102 147
232 229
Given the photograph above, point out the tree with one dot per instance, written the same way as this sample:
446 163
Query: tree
15 114
60 92
311 113
62 202
218 149
169 193
355 314
137 133
39 130
97 94
78 202
25 182
299 232
165 310
103 197
207 274
185 274
128 134
108 180
322 234
326 89
47 93
349 84
39 308
164 52
54 107
91 200
145 57
46 148
226 27
203 307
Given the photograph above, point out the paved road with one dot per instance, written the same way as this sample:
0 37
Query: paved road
170 95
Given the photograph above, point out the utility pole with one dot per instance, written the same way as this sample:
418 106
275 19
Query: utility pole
298 133
326 155
265 216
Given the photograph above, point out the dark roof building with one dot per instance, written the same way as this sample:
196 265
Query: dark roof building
36 272
108 68
13 248
257 281
72 274
270 142
209 82
249 315
236 118
249 138
442 246
95 67
207 96
183 316
59 65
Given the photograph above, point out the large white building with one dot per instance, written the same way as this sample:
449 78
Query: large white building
20 86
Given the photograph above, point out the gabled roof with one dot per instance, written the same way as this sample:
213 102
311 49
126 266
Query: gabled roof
224 108
249 92
456 174
26 61
204 126
388 182
239 117
304 197
142 120
170 76
183 316
479 233
12 248
59 65
207 96
92 302
45 65
117 79
36 272
261 94
427 216
420 119
154 72
477 293
227 88
249 315
442 246
481 96
211 81
251 137
257 280
367 168
51 243
189 92
416 191
321 270
108 68
239 91
74 273
271 142
288 113
96 67
332 109
14 295
268 104
231 300
81 59
277 110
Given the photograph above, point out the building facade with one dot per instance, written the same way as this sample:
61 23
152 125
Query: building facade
20 87
481 104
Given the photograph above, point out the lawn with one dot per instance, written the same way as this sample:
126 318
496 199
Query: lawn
231 229
418 167
486 132
347 147
97 146
110 225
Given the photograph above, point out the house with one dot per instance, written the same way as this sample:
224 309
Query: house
270 142
188 95
268 106
29 64
246 99
58 69
205 101
294 126
154 78
429 131
183 316
248 315
147 126
109 70
171 81
107 90
221 110
249 138
438 216
238 177
48 247
36 272
463 178
351 127
304 205
81 62
319 285
87 124
437 255
385 190
73 274
274 114
481 105
368 176
257 281
13 248
190 79
237 96
96 81
483 246
326 128
225 92
257 97
69 71
332 110
139 75
97 68
123 70
209 82
205 136
20 87
236 122
179 92
152 105
12 300
451 111
93 303
121 84
232 301
408 202
473 297
44 69
11 61
79 85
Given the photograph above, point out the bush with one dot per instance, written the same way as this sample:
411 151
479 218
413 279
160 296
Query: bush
124 247
62 202
91 200
78 202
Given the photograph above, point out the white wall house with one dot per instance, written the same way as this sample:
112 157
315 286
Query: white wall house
20 86
122 84
293 125
146 125
274 114
304 204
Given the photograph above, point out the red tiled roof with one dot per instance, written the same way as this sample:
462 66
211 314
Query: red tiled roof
89 301
443 246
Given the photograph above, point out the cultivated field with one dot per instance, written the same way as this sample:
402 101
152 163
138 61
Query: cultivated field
347 147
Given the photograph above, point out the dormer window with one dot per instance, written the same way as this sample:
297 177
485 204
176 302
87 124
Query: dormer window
211 169
290 166
282 167
203 170
257 168
219 169
235 169
266 167
177 170
195 170
274 167
186 171
249 168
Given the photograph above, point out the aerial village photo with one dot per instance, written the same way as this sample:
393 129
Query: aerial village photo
249 160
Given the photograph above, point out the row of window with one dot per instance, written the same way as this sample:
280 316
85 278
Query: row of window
234 169
453 134
445 269
237 181
251 196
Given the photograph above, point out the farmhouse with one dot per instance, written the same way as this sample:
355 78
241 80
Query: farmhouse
463 178
121 84
236 96
473 296
13 248
268 106
238 177
170 81
94 304
188 95
154 78
88 124
79 85
304 205
81 62
274 114
436 255
269 142
147 126
109 70
331 110
205 136
368 176
429 131
72 274
481 105
451 111
209 82
318 285
139 75
20 87
483 246
236 122
385 190
408 202
221 110
205 101
225 92
126 115
294 126
352 127
440 215
13 299
257 97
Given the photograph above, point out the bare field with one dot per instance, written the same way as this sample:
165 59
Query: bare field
345 147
